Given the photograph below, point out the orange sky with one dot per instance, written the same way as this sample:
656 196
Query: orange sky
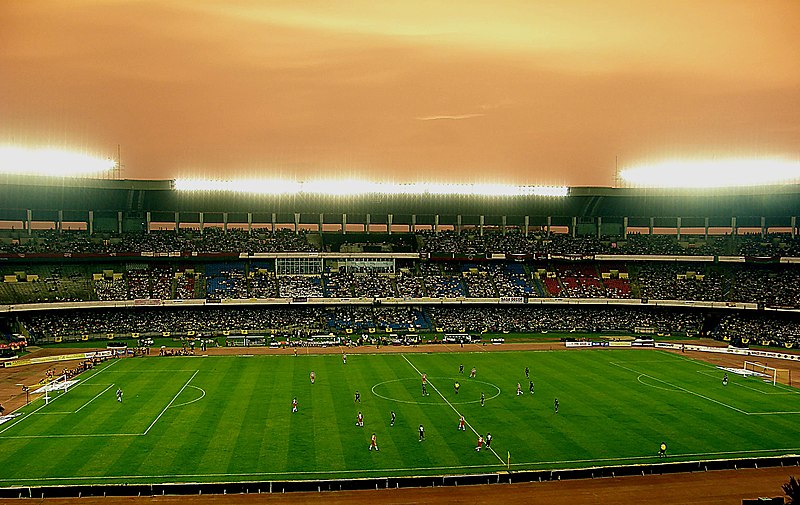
525 92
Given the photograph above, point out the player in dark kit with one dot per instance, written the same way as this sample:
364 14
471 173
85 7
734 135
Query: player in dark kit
456 386
394 417
530 387
358 398
421 433
483 399
488 440
461 368
527 373
555 405
725 380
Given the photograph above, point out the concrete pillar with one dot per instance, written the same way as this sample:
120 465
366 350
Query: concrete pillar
367 223
549 224
202 223
413 226
794 226
503 221
275 221
678 226
599 226
436 223
296 223
344 223
652 225
705 227
60 223
225 221
177 221
119 221
249 222
28 220
148 219
321 220
480 225
574 226
90 222
458 224
624 226
527 225
389 219
734 229
763 226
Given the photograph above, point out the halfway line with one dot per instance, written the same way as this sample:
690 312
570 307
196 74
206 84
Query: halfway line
170 403
451 406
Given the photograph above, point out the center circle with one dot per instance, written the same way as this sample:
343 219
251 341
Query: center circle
380 390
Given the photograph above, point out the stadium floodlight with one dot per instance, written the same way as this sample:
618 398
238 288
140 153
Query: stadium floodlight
354 187
51 162
713 173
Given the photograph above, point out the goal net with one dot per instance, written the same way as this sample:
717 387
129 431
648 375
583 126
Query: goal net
770 374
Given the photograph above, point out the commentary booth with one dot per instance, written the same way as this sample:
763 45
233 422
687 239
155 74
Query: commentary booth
245 341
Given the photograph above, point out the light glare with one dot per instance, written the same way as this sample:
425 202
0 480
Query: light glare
713 173
50 162
351 187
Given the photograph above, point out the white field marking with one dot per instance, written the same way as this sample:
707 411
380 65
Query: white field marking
430 403
375 470
732 383
651 385
684 389
170 403
74 435
138 372
93 399
195 400
671 456
254 474
451 406
54 399
784 387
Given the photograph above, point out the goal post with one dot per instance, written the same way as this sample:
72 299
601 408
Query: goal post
775 375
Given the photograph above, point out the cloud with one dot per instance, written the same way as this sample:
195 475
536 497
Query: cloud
448 117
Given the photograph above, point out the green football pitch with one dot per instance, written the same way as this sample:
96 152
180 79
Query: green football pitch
204 419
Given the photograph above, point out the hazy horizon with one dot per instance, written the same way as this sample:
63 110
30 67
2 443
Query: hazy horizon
522 92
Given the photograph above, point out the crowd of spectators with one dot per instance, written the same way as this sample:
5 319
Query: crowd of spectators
564 319
470 242
759 329
772 285
300 286
201 321
767 285
212 239
209 321
680 281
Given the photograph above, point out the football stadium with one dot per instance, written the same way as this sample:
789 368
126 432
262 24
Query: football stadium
175 332
400 252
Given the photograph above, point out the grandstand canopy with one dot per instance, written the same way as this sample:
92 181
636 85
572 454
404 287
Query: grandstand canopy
50 199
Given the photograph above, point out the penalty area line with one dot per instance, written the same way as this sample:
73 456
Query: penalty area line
452 407
95 398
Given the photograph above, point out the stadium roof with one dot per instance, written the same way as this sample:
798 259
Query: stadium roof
72 195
